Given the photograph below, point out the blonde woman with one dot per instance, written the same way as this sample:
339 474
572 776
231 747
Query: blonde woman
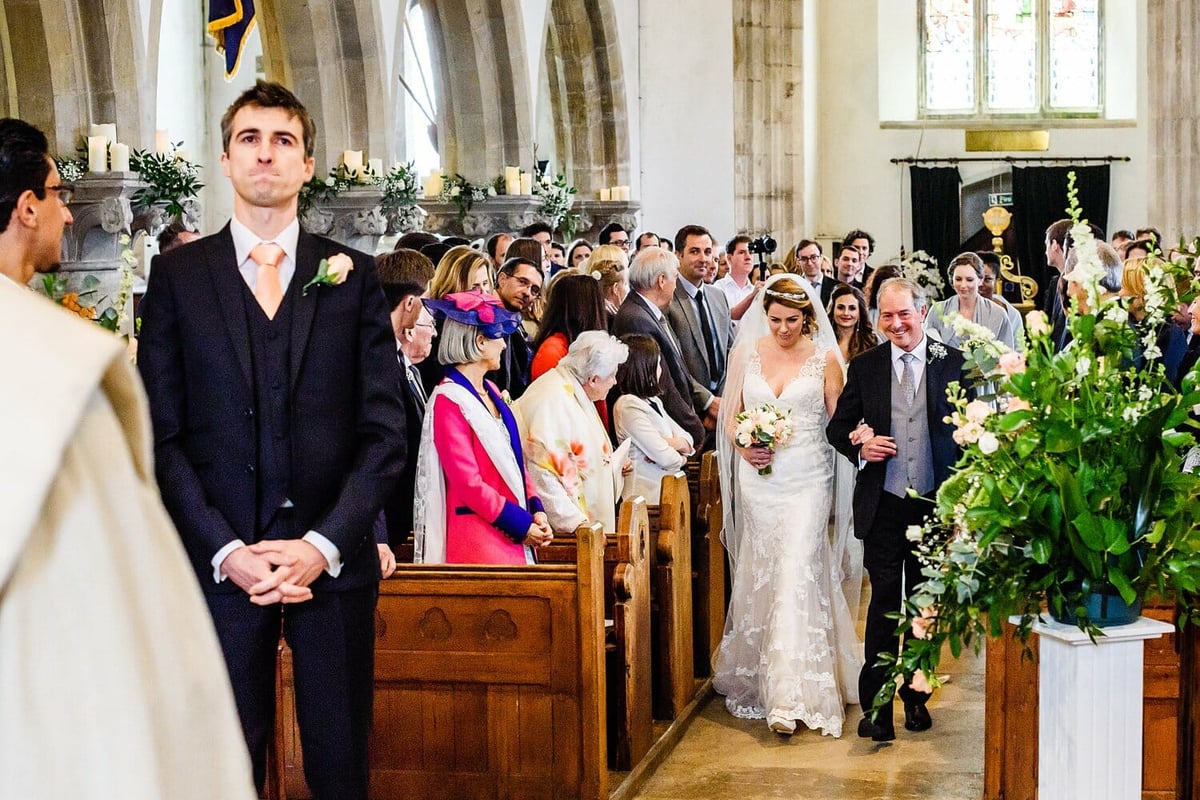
462 269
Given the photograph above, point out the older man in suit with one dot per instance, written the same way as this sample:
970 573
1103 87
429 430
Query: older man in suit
699 316
271 369
652 278
898 390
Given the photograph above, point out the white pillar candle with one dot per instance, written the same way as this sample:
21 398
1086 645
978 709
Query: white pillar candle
352 161
375 166
526 183
433 184
106 129
118 155
97 153
512 180
605 195
162 144
624 194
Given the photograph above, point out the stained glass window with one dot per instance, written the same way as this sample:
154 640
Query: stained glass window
987 58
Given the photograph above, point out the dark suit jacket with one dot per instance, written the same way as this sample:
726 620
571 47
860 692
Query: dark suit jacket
868 397
685 321
399 505
634 316
346 423
828 284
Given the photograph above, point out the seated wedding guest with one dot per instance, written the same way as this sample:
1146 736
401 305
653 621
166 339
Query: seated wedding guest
658 446
1171 341
987 288
614 284
578 252
567 450
848 313
461 269
475 503
965 273
575 306
404 276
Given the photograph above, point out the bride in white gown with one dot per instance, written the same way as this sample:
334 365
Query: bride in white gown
789 652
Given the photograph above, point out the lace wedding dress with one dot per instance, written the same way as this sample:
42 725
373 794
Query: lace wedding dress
789 651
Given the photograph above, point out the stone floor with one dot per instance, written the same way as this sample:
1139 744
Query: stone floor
723 758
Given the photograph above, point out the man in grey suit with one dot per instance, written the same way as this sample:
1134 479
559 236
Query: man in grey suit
699 316
652 278
899 390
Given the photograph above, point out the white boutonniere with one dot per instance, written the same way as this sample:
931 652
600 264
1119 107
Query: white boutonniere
937 351
332 271
506 397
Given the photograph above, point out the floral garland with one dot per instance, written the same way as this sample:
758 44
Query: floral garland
464 194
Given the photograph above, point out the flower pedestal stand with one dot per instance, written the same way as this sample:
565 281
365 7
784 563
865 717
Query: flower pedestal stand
1090 717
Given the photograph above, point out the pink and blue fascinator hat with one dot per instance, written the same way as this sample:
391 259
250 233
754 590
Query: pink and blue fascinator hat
479 310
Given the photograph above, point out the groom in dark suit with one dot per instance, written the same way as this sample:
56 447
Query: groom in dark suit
898 389
271 370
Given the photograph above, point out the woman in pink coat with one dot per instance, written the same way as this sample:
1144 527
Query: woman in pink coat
474 502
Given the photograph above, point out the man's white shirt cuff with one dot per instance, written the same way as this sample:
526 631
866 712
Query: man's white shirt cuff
220 557
333 556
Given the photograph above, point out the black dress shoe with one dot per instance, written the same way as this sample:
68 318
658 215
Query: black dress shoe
876 731
916 717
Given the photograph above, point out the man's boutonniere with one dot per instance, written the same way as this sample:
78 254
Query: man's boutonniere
506 397
937 351
332 271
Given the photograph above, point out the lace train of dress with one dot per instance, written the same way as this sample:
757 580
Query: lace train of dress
789 650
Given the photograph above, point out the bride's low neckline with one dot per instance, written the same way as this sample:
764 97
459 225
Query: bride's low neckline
788 383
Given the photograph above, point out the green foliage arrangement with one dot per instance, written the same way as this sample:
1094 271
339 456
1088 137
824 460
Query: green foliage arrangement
170 179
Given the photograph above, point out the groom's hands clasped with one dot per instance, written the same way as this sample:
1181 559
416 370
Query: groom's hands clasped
878 448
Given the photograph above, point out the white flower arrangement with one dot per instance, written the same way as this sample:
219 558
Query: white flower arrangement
922 269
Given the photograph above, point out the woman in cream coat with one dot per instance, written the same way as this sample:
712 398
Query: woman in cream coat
658 445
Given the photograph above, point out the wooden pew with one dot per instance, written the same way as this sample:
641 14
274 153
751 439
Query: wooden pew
627 605
488 683
671 576
708 567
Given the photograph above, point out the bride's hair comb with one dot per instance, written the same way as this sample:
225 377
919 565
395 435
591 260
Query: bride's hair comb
795 297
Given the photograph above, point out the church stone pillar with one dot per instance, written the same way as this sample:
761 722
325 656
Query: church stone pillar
768 118
1173 27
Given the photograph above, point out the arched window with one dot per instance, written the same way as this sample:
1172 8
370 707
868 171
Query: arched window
420 101
1011 58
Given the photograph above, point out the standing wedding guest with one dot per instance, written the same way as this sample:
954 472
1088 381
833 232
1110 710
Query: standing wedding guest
110 672
646 239
806 259
614 233
575 306
652 278
404 276
738 285
271 368
519 287
567 450
848 311
578 252
659 446
789 649
533 251
987 289
899 390
461 269
613 278
878 277
864 243
965 273
475 503
1170 340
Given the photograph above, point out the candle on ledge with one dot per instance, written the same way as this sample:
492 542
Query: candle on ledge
375 167
512 180
352 161
433 184
526 183
162 144
623 194
97 153
605 195
118 155
106 129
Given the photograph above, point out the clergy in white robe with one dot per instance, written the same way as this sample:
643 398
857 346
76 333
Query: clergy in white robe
567 451
111 681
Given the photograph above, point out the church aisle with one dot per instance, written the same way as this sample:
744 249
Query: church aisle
723 758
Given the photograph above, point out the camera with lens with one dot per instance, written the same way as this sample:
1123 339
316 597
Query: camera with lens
763 245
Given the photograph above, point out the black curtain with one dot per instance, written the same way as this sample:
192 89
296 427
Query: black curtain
1040 199
936 211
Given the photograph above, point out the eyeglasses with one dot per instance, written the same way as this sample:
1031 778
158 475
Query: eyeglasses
809 259
535 289
65 193
621 243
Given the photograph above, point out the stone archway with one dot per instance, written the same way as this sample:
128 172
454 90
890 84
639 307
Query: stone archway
67 62
583 71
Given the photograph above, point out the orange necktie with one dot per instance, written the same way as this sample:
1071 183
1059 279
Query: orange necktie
267 289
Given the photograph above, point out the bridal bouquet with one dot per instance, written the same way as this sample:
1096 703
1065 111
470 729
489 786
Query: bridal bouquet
765 426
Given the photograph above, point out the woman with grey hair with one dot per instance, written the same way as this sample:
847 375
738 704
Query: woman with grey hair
567 450
966 273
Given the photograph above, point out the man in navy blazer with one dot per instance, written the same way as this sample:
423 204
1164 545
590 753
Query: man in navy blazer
898 389
271 370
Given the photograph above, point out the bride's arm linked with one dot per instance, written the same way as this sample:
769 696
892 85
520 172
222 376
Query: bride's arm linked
833 382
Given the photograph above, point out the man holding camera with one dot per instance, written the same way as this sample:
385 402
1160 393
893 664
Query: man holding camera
739 284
